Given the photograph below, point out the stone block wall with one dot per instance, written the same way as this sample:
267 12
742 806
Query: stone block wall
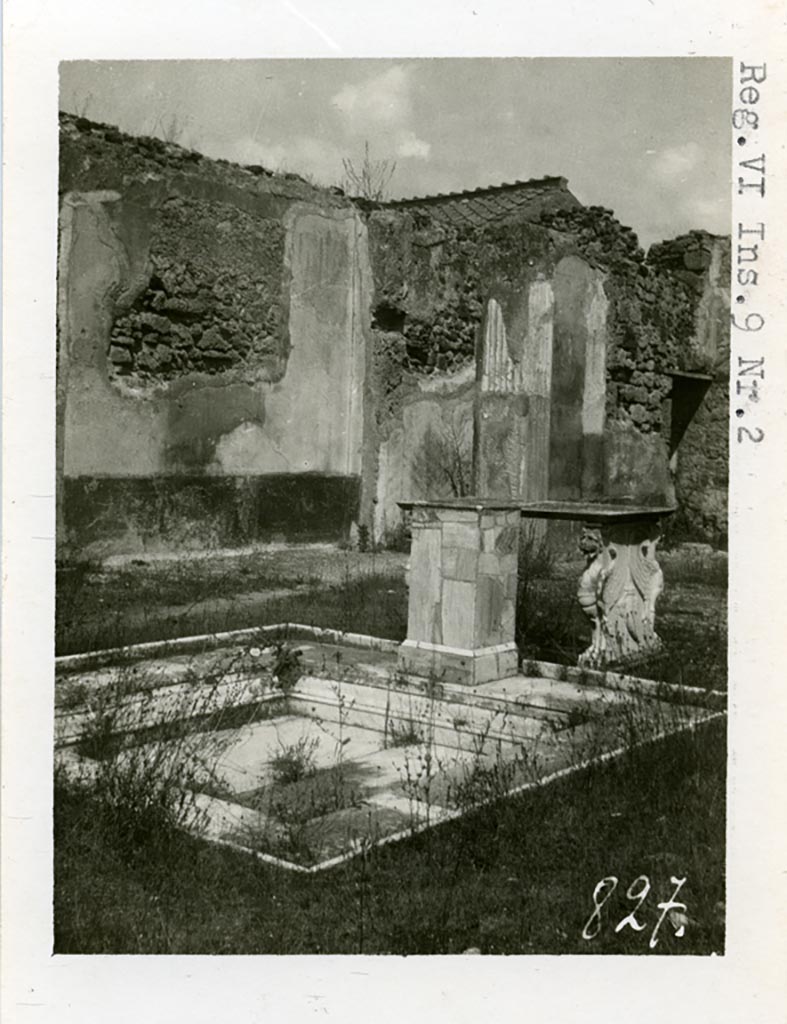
440 295
668 313
578 336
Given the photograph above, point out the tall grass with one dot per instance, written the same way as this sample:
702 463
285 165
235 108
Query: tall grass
517 876
513 875
146 750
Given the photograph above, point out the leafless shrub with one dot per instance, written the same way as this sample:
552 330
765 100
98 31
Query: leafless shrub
369 180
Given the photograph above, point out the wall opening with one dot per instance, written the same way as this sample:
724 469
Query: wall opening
388 318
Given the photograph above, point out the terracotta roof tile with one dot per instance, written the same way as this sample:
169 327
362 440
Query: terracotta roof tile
482 206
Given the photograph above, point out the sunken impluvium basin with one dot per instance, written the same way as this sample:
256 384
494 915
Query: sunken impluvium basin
307 747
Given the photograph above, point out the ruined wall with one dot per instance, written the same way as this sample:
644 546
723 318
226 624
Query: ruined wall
243 356
668 330
699 408
211 355
503 327
649 320
578 338
214 301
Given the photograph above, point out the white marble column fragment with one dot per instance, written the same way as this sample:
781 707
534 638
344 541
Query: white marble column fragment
513 400
462 580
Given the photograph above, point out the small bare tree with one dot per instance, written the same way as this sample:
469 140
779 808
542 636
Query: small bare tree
169 127
442 465
371 179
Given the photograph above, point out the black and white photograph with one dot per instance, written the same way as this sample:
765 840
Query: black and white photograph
393 506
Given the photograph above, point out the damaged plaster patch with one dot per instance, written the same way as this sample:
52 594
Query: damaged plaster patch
203 410
248 449
448 382
213 300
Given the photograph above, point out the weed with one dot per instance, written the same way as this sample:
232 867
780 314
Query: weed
406 734
119 848
100 739
513 877
482 782
295 761
397 538
144 797
577 716
313 796
536 558
417 777
71 695
287 668
149 758
294 824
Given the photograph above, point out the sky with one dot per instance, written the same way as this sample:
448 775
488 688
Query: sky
647 138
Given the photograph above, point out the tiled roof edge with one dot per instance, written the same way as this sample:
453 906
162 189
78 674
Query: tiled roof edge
506 186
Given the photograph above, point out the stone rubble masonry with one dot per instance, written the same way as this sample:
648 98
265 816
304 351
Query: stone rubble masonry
443 294
215 300
204 305
462 581
210 343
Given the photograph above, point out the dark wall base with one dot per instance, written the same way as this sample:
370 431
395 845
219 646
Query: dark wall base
114 515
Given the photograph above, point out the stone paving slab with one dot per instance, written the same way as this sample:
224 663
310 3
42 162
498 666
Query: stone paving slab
548 693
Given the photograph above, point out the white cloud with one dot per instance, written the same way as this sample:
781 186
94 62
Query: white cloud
411 146
712 214
383 99
676 162
303 154
682 185
250 151
380 108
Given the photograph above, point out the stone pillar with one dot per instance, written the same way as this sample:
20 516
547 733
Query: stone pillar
462 579
618 591
512 411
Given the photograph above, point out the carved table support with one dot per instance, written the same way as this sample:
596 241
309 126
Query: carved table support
463 583
618 591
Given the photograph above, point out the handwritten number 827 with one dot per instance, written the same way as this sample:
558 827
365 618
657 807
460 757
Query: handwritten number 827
638 890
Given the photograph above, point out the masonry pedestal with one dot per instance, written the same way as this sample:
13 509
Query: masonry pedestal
462 580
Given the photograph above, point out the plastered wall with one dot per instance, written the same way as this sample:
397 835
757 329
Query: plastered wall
207 334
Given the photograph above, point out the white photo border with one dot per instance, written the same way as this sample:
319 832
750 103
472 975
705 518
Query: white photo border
747 983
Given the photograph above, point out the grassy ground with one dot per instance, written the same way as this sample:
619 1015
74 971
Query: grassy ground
136 601
517 877
366 593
